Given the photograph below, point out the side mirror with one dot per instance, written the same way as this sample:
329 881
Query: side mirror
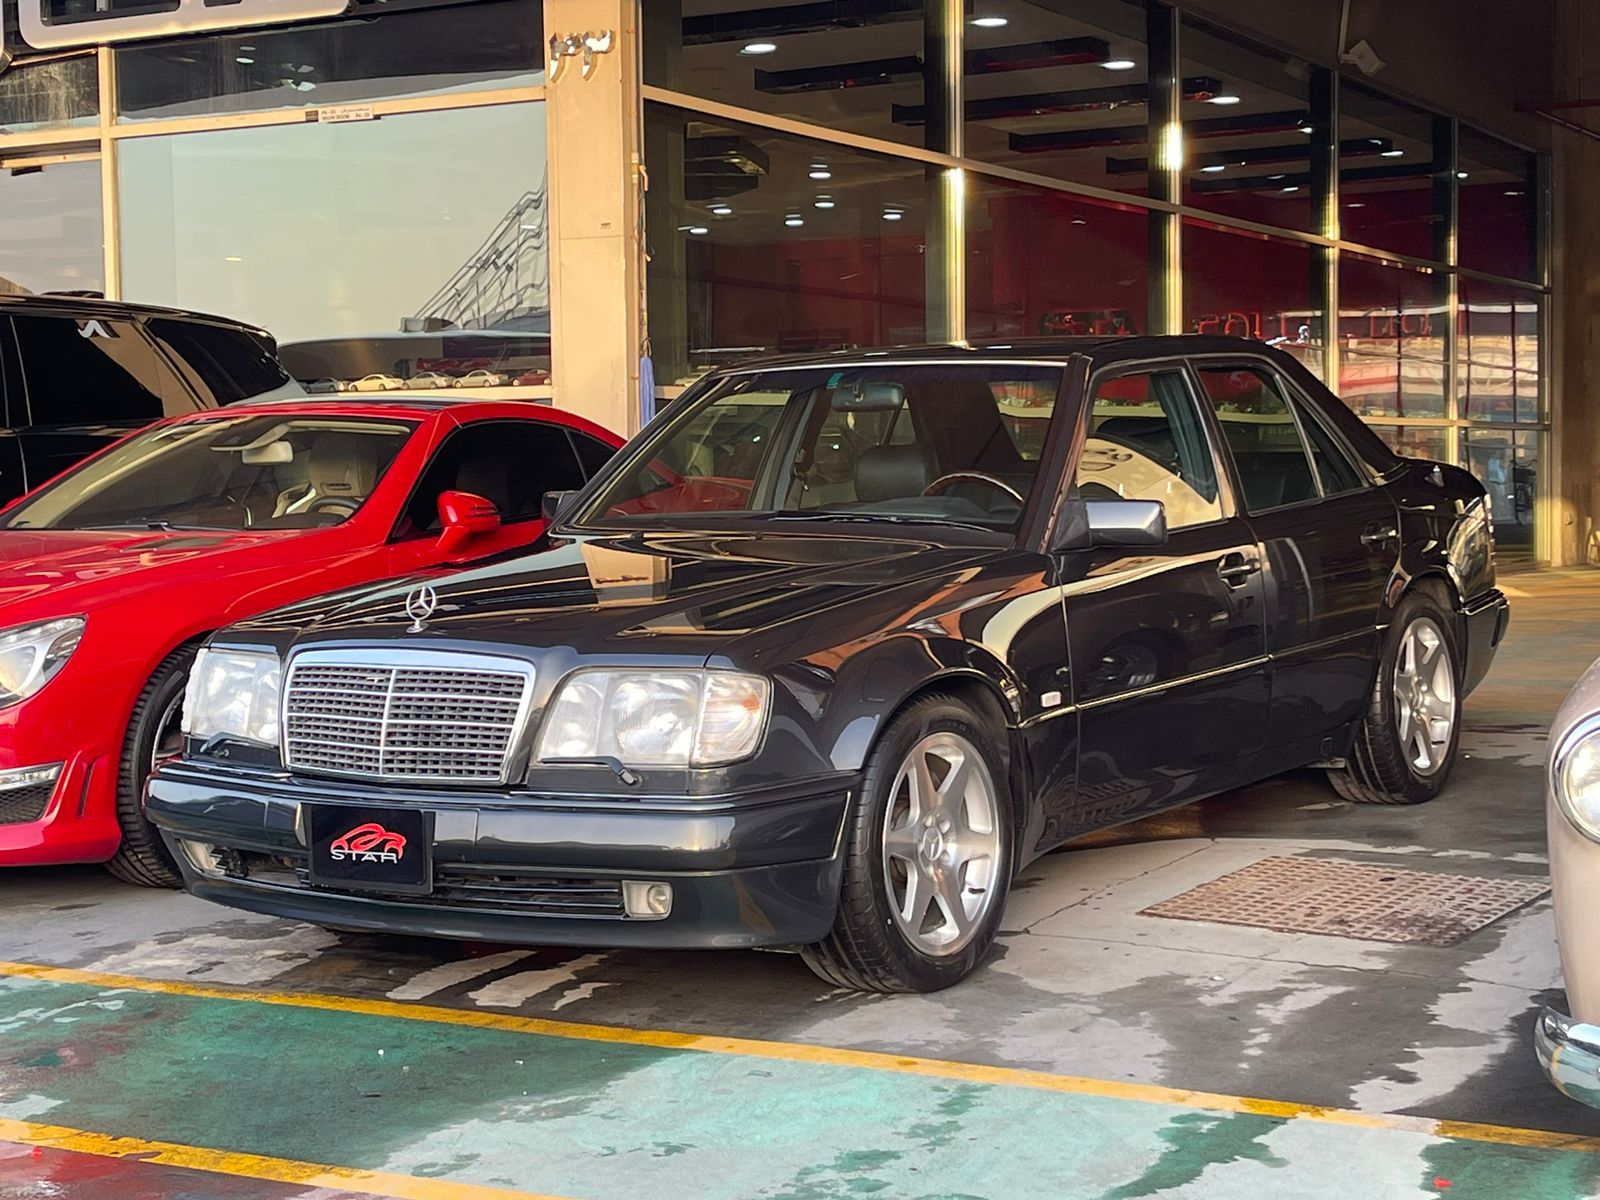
1083 524
462 517
551 504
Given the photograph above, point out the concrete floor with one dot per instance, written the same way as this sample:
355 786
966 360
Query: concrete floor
1118 1016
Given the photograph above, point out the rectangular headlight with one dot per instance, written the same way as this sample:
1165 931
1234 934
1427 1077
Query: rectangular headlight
657 718
233 693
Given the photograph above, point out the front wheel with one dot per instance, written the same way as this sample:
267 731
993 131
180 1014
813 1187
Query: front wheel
928 856
154 735
1408 740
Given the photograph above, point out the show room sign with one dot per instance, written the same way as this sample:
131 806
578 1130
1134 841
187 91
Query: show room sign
47 25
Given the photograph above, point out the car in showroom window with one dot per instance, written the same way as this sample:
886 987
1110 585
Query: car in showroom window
112 575
839 644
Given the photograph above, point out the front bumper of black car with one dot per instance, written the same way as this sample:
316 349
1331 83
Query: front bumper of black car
541 870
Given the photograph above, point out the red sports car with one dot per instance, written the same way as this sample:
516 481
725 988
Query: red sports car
112 573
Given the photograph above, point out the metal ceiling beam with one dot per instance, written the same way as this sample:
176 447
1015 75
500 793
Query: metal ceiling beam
1139 135
1038 104
1255 156
817 17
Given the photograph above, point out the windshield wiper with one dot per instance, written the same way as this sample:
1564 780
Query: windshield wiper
163 527
875 518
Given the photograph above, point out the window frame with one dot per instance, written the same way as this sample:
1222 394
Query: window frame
457 428
1295 404
1227 488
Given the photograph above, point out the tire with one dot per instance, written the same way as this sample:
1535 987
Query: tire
143 858
871 947
1407 743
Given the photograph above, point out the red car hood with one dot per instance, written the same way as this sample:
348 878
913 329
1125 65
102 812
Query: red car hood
74 567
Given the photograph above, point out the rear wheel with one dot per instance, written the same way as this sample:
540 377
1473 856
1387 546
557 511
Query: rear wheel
1408 740
154 735
928 857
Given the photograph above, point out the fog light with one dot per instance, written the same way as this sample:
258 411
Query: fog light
24 777
202 856
650 901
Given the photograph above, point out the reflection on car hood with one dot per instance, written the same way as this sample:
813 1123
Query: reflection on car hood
669 594
38 562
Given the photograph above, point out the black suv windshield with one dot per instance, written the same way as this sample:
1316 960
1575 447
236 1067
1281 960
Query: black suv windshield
941 442
260 471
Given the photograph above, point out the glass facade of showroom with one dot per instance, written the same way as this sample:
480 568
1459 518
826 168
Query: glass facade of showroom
371 188
914 169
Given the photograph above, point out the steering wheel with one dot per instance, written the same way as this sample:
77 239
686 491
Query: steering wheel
1000 485
336 505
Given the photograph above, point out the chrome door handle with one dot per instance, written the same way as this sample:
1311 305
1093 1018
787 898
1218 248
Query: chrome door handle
1377 535
1234 574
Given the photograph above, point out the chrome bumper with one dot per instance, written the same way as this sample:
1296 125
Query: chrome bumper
1569 1052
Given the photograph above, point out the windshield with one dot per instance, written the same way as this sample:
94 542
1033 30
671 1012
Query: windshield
944 442
260 471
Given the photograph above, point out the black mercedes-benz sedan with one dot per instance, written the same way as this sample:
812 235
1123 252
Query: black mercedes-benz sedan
837 645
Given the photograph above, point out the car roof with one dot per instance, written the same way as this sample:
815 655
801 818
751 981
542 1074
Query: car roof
403 406
1026 349
66 304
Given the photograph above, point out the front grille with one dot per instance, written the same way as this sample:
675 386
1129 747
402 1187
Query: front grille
461 887
19 806
435 719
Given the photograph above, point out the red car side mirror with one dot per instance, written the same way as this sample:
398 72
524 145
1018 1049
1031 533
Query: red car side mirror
462 517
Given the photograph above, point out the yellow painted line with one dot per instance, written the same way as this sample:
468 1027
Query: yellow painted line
253 1166
932 1068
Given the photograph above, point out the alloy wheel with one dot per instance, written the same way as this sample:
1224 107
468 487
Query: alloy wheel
941 844
1424 696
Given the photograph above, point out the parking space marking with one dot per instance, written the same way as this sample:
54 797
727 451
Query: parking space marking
1005 1077
253 1166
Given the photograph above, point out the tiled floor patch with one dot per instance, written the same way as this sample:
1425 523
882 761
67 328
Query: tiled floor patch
1354 900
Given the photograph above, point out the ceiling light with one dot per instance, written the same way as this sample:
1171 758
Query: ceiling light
1355 204
1214 168
1078 221
1274 178
233 258
1308 129
1292 188
1390 153
990 22
244 58
893 214
794 220
1224 98
755 48
1514 192
722 210
823 201
1119 64
1461 174
696 230
820 171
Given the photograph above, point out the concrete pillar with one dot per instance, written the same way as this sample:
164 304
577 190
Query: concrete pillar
596 257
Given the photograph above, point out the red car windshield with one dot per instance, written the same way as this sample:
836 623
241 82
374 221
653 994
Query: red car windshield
251 471
941 442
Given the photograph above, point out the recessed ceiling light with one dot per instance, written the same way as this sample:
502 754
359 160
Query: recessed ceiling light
755 48
1224 98
1292 188
1461 174
1514 192
1079 221
1214 168
1274 178
233 258
893 214
697 230
990 22
820 171
1390 153
1308 129
794 220
823 201
244 58
722 210
1355 204
1119 64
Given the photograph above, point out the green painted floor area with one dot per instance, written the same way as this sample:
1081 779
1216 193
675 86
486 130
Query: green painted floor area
602 1121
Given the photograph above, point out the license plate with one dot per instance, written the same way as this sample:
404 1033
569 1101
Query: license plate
371 849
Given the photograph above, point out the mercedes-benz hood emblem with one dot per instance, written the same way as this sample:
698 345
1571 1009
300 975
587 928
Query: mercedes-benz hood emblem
420 604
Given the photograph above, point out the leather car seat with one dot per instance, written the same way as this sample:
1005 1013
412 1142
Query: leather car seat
890 473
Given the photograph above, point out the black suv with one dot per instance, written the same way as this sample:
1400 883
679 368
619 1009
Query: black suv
77 373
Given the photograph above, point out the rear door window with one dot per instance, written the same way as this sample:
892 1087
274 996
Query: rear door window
90 371
224 364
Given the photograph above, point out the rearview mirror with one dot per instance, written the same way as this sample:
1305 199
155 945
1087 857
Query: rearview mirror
273 454
463 517
1082 524
868 397
551 504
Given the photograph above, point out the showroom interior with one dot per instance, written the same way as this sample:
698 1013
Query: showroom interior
533 225
389 188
